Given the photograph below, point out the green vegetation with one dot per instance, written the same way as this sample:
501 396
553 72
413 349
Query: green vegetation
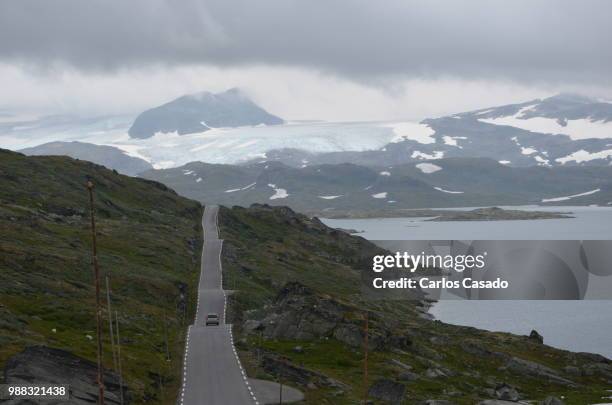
149 244
266 247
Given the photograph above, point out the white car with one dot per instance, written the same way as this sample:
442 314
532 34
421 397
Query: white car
212 319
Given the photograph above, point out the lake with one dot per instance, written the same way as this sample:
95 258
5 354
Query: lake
573 325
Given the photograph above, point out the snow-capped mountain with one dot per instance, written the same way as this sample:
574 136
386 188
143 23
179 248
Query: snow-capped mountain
200 112
563 130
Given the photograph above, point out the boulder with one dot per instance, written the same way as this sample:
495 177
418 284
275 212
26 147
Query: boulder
434 373
387 390
251 325
553 401
496 402
536 337
506 392
407 376
526 367
44 365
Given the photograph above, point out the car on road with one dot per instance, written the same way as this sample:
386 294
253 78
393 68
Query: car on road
212 319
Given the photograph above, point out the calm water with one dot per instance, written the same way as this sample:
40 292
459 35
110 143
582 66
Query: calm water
589 223
572 325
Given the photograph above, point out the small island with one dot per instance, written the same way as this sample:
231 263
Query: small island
497 214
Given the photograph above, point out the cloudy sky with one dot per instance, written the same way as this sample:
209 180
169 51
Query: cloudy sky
333 59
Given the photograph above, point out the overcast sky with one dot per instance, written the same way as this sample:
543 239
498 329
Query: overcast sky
331 59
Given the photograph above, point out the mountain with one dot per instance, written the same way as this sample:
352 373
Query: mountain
450 182
297 306
108 156
149 244
200 112
563 130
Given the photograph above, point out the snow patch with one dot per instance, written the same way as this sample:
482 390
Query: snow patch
428 168
385 173
413 131
576 129
426 156
380 195
330 197
233 190
505 162
527 151
278 192
584 156
452 140
448 191
199 179
597 190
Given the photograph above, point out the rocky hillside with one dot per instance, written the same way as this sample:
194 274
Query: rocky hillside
299 313
329 188
149 242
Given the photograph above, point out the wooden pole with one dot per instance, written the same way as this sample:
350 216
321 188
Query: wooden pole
119 357
100 376
280 383
110 324
166 337
365 360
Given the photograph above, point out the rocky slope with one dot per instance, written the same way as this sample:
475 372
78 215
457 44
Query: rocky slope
329 188
301 317
148 244
44 365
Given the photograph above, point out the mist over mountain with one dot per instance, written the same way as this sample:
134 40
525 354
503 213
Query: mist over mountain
108 156
200 112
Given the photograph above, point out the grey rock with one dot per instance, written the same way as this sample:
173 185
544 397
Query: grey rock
520 366
575 371
407 376
603 369
506 393
496 402
387 390
400 364
44 365
434 373
436 402
553 401
535 336
349 334
251 325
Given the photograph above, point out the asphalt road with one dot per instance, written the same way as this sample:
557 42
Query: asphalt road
212 372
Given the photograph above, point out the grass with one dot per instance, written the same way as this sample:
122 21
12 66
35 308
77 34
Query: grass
149 242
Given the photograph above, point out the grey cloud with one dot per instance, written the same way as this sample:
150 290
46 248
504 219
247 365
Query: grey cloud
552 40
